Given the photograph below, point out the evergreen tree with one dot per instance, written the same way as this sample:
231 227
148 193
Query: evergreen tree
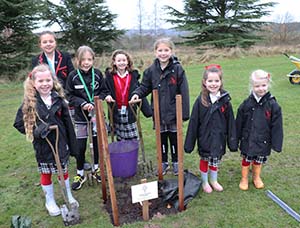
17 20
85 22
221 23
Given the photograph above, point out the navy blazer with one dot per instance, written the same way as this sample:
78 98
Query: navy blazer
63 64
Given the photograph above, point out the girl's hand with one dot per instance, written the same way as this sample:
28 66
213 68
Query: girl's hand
89 107
109 99
134 98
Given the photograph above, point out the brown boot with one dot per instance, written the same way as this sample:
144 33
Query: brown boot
244 181
256 170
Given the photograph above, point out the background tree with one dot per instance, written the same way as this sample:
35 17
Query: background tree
221 23
140 22
84 22
17 20
284 30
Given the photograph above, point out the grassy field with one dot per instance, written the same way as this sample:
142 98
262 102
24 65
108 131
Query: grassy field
21 194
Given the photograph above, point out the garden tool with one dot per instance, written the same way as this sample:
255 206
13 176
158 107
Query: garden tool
91 126
146 167
111 120
69 211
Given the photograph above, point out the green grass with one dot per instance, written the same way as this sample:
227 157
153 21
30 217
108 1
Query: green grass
21 194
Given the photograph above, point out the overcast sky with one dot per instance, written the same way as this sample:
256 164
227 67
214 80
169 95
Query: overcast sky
127 10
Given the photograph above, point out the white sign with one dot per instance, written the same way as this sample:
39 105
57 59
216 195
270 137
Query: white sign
146 191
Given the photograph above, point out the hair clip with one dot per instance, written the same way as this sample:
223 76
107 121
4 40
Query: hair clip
213 66
30 75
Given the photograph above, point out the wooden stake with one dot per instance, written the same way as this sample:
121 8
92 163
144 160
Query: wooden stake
180 152
145 205
100 149
157 132
108 164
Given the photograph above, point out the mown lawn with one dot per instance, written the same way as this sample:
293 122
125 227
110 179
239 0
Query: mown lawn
21 194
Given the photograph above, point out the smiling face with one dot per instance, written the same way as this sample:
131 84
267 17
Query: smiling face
47 43
260 87
86 62
163 52
121 62
213 82
43 82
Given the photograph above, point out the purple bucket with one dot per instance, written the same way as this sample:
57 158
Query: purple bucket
124 157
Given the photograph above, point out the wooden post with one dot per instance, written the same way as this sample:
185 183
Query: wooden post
180 152
145 205
108 165
157 132
100 149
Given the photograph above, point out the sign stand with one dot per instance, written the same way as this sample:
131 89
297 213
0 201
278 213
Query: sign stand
145 204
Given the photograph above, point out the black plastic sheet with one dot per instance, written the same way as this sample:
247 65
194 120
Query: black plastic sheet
169 189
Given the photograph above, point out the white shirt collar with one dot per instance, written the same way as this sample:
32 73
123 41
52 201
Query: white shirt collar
257 98
122 75
214 98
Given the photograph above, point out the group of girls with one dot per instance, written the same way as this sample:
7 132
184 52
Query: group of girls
257 128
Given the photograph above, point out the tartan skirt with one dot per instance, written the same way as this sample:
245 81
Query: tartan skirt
124 130
257 159
51 168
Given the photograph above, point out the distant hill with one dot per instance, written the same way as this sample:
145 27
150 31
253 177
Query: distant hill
159 32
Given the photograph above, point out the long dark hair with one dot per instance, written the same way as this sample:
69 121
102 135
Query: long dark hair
213 68
129 67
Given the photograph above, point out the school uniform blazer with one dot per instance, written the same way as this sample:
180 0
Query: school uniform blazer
211 126
58 115
259 126
77 95
169 82
134 83
63 64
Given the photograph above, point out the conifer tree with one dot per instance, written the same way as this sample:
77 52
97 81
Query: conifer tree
84 22
220 23
17 20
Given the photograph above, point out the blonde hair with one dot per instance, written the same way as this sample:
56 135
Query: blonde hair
209 69
46 33
259 75
165 40
80 52
29 102
129 66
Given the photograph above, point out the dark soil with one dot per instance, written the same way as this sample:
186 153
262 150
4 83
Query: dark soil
129 212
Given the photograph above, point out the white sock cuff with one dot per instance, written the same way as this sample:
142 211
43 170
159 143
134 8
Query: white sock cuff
80 172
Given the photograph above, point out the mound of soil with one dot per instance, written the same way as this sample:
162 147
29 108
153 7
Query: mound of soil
129 212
